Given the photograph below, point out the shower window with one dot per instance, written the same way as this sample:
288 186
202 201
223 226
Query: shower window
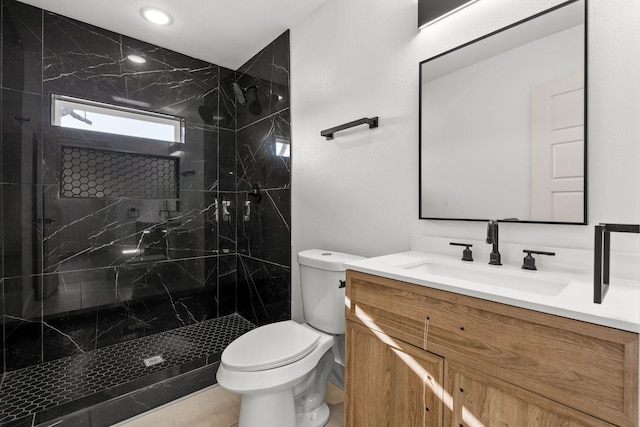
83 114
282 147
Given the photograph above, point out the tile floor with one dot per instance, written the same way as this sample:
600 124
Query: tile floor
217 407
59 387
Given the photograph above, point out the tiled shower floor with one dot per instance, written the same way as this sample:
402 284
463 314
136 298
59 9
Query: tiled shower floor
92 377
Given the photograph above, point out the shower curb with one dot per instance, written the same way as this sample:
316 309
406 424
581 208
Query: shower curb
139 401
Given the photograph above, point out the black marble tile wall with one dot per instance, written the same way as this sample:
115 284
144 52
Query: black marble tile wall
261 298
265 78
21 47
82 273
263 141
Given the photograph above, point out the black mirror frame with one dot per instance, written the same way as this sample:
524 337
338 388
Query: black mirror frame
586 133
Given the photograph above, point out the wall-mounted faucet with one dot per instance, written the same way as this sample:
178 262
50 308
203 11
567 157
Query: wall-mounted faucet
492 239
602 251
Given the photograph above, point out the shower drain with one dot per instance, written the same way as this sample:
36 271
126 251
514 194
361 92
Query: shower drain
154 360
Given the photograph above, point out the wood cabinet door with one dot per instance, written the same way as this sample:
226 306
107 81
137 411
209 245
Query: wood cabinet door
482 400
389 382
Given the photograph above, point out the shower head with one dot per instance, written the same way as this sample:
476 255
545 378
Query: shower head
239 93
254 108
206 113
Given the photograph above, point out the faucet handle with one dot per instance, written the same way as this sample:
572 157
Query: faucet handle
466 253
529 262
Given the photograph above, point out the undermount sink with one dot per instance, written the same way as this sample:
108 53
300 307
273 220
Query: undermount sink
494 277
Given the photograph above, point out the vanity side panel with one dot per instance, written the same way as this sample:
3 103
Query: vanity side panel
589 367
632 376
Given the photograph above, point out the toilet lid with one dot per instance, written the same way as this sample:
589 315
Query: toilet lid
270 346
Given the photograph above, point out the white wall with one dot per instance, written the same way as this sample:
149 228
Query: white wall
358 193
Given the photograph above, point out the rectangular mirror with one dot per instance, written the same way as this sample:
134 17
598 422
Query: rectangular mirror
503 124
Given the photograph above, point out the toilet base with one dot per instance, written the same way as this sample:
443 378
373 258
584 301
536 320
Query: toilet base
255 410
316 418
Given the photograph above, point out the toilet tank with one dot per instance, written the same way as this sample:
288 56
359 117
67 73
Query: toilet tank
321 274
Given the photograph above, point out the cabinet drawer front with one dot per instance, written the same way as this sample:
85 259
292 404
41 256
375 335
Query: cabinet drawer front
395 311
591 368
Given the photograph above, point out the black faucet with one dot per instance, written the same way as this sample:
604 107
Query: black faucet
492 239
602 255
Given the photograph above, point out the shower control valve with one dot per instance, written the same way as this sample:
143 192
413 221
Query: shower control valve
226 215
247 211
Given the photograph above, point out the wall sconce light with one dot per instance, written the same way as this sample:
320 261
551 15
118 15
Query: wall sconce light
431 11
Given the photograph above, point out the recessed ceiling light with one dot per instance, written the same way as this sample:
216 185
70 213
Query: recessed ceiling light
136 58
155 15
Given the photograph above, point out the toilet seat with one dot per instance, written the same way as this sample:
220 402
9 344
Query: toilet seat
270 346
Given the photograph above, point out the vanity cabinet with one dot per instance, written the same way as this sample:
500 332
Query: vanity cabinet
514 365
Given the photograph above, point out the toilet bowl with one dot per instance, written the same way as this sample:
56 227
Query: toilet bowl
281 369
274 383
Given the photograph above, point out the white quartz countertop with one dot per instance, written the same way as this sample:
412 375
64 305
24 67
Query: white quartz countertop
569 294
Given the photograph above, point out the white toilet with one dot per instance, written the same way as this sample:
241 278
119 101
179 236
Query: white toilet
281 369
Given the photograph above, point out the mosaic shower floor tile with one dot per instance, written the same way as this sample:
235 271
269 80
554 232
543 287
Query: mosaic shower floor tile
44 387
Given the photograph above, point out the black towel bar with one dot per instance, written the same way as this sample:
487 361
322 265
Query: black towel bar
373 123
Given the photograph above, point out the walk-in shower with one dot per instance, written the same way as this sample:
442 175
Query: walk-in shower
120 273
